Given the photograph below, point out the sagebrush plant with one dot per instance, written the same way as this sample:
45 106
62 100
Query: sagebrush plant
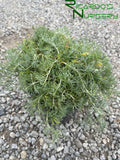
61 73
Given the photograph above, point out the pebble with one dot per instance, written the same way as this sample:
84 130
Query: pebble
59 149
1 127
109 158
3 100
16 102
2 94
43 156
82 137
85 145
2 112
33 140
16 119
41 141
23 154
68 158
107 36
77 154
23 118
66 150
111 119
78 143
114 156
119 151
22 142
72 150
94 149
34 134
14 146
1 141
0 121
12 158
81 150
114 126
95 158
102 157
12 135
45 146
104 141
10 128
52 157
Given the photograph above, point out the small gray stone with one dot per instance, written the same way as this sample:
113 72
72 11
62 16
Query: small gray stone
34 122
73 129
117 135
78 143
116 106
34 134
81 150
33 140
52 157
66 149
82 137
114 126
1 141
6 156
69 143
67 134
109 158
2 95
14 146
102 157
1 127
114 156
23 154
45 146
10 128
29 140
3 100
107 36
1 121
16 119
118 151
94 149
17 134
16 103
6 120
72 150
23 118
95 158
41 141
85 145
60 149
12 158
111 119
12 135
52 146
68 158
43 156
2 112
22 142
77 154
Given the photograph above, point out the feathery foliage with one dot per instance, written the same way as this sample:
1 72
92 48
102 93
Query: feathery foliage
61 74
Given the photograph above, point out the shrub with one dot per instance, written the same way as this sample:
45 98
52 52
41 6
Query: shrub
61 74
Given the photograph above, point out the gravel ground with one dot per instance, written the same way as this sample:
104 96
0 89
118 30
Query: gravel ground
23 136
